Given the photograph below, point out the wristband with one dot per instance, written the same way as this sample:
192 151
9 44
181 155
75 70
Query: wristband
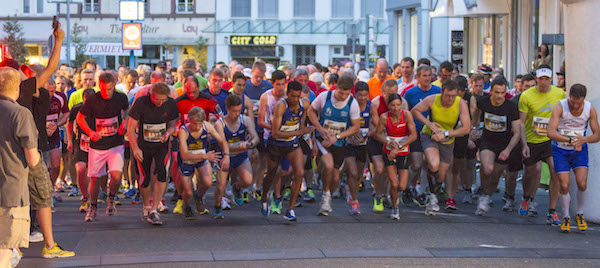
570 140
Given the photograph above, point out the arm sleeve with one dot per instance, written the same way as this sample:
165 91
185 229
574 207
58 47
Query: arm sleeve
73 115
514 112
173 111
354 110
25 130
86 108
319 102
125 102
523 104
134 112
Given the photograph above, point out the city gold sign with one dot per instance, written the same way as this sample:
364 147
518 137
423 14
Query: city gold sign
242 40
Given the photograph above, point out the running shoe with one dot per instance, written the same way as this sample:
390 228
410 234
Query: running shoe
178 207
145 213
35 237
420 200
136 198
174 198
246 196
154 218
508 204
218 214
377 204
84 205
581 224
225 204
130 193
117 200
200 207
395 213
286 193
110 206
325 205
434 203
290 215
387 202
101 197
237 196
532 211
264 209
407 197
310 196
170 187
468 198
91 214
483 205
15 258
451 204
59 187
57 197
162 207
258 195
74 191
188 213
276 206
56 252
565 227
553 219
524 208
354 207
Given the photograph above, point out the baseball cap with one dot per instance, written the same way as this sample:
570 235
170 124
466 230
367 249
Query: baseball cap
247 72
485 70
363 76
543 72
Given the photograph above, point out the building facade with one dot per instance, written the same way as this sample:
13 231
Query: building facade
298 31
172 29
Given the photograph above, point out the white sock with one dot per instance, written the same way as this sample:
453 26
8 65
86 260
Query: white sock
580 201
565 200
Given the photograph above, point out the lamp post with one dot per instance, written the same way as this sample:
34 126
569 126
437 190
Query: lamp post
131 11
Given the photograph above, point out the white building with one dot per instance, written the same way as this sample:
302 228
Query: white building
170 30
296 31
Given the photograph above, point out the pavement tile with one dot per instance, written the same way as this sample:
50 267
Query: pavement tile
77 261
157 257
567 253
376 252
267 254
483 252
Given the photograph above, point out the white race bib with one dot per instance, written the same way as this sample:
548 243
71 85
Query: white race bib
107 127
291 128
495 123
153 132
334 127
398 140
84 143
199 151
540 125
571 133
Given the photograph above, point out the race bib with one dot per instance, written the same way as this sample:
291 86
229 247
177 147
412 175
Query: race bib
107 126
291 128
571 133
363 133
199 151
51 118
479 130
495 123
255 104
308 139
84 143
334 127
540 125
153 132
398 140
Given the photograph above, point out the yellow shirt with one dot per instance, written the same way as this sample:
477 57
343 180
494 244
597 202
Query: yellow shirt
77 96
437 83
538 107
446 117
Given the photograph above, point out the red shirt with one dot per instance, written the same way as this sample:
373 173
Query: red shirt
396 131
227 85
184 105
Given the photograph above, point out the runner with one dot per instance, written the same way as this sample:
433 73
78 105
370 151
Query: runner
58 114
535 106
567 126
400 131
265 118
239 82
288 123
156 116
239 144
438 135
106 110
339 117
497 140
356 145
408 80
214 89
194 159
79 144
414 96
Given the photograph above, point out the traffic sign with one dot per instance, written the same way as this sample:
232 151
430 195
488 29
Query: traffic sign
131 10
132 36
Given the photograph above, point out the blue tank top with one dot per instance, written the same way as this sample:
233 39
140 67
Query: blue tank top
290 121
365 120
234 138
335 120
194 145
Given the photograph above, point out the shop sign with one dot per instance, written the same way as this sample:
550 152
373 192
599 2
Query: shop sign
244 40
102 49
132 36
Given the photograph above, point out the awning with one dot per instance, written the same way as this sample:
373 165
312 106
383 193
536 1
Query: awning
470 8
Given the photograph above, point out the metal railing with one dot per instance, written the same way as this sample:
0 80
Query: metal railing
246 26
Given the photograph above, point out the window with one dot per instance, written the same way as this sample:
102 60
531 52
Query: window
342 9
304 8
240 8
304 54
40 6
185 6
26 6
372 7
268 8
90 6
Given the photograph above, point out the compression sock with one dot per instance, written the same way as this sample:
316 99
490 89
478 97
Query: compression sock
580 201
565 200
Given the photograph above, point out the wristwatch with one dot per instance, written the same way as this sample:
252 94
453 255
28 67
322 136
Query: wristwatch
337 136
446 133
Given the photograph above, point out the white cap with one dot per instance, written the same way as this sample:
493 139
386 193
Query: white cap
364 76
270 70
247 72
543 72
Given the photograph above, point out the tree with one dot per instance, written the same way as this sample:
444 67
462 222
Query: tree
199 52
14 41
79 45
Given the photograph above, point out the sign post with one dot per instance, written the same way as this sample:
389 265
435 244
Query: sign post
131 10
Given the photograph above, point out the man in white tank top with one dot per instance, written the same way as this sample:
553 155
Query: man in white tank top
567 127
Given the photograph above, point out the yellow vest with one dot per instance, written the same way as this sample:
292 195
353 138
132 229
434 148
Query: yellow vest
446 117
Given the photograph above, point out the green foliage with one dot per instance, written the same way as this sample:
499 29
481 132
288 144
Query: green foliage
79 45
14 41
199 52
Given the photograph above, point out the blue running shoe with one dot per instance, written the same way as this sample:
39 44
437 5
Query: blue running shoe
264 209
237 195
523 207
130 193
53 201
553 219
290 215
74 191
136 198
218 213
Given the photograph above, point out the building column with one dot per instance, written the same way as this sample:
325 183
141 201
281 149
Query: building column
581 47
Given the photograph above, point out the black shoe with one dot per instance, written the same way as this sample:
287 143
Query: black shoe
188 213
175 197
407 197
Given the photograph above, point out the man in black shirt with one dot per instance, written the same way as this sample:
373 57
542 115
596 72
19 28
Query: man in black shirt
500 135
106 110
156 115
